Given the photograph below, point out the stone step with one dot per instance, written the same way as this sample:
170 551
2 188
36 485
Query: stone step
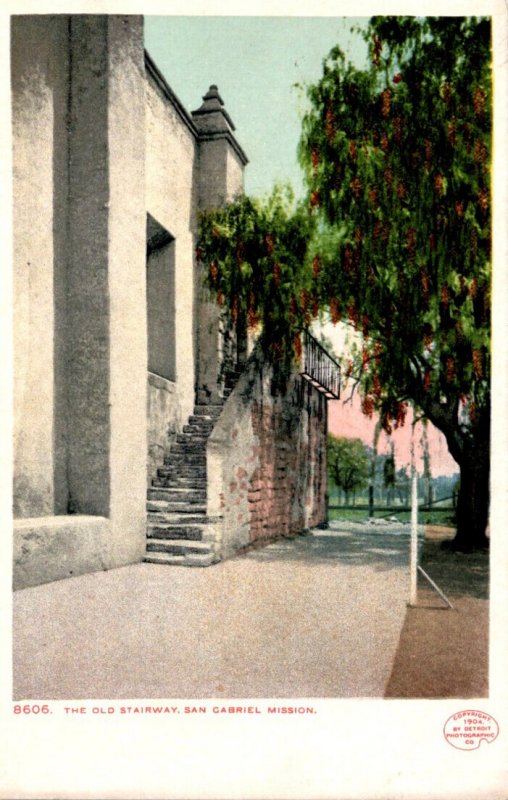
190 471
194 437
174 508
173 495
189 560
204 429
187 532
202 421
178 547
189 446
179 460
170 482
208 410
162 518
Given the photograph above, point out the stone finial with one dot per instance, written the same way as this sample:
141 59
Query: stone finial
211 116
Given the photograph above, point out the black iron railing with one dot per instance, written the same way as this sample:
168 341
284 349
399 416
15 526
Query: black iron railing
319 368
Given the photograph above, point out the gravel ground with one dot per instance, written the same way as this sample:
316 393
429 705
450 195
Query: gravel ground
317 616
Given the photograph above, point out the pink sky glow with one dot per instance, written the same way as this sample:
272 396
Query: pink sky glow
347 419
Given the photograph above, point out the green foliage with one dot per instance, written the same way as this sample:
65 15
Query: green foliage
348 463
394 237
256 257
397 161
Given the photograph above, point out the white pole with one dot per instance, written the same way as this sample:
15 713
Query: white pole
414 530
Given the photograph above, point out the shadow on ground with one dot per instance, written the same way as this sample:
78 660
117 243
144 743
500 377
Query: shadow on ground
443 652
382 551
457 574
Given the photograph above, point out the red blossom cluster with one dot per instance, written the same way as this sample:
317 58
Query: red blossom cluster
276 275
388 177
480 151
314 198
386 102
411 241
335 311
401 190
314 157
400 414
452 132
330 125
450 370
352 313
298 347
477 364
365 359
367 406
428 154
483 199
447 92
426 381
356 186
234 310
425 284
377 46
428 340
479 100
214 272
252 315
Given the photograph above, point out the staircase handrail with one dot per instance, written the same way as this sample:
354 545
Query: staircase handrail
319 367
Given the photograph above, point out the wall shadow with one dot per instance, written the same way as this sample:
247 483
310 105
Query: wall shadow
382 551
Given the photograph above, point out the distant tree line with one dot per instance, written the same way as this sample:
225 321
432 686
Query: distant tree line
354 468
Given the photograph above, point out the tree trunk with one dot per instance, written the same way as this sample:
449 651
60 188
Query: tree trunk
473 499
471 451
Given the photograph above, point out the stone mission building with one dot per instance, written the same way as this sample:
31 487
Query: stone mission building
145 427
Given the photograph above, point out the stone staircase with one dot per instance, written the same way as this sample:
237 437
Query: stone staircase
179 531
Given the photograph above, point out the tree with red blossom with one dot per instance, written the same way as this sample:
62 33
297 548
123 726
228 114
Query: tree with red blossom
257 263
397 164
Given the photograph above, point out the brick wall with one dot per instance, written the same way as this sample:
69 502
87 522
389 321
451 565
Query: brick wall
266 461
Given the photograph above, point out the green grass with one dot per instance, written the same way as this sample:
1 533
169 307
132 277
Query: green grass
424 518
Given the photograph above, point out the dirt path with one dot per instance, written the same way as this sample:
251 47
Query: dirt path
443 652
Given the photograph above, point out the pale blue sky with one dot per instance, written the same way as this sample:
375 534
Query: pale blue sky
255 61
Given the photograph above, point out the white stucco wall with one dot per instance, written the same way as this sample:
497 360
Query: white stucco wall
39 95
80 277
171 199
